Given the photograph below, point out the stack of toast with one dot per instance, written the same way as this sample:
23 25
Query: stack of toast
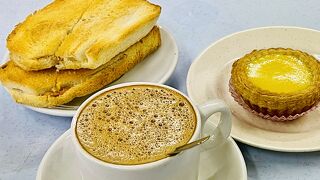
72 48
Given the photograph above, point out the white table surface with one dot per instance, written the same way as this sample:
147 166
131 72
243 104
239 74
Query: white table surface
26 135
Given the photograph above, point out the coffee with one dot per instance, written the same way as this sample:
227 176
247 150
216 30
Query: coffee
135 124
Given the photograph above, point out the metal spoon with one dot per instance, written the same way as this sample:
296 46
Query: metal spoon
188 146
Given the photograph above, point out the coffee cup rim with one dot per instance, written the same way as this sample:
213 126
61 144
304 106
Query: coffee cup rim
160 162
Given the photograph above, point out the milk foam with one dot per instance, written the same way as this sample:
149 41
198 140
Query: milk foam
135 125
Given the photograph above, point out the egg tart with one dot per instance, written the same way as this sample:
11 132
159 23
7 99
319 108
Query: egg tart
277 82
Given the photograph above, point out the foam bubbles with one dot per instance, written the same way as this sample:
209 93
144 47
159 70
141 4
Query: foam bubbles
135 125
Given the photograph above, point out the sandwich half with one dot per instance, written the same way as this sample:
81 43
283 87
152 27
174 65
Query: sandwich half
49 87
75 34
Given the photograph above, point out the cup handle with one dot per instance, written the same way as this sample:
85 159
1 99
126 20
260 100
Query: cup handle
223 129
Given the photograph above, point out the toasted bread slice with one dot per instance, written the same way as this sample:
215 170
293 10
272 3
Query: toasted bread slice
96 32
50 87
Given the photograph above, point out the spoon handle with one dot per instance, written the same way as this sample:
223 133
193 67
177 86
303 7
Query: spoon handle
188 146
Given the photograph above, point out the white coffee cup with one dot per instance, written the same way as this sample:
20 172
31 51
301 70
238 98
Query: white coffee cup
183 166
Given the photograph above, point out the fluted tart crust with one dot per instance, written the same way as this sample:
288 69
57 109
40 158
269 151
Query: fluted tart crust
277 81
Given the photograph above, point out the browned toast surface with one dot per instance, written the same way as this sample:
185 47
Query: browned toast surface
74 34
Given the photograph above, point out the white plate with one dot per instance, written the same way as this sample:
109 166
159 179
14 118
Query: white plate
209 74
225 162
156 68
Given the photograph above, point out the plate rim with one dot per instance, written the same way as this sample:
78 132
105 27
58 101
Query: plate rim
238 138
51 148
70 113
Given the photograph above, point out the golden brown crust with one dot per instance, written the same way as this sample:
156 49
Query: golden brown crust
78 34
279 104
32 43
98 37
66 85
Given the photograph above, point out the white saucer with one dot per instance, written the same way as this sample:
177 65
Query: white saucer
209 75
156 68
225 162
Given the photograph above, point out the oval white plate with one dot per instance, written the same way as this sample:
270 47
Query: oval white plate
156 68
209 75
225 162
